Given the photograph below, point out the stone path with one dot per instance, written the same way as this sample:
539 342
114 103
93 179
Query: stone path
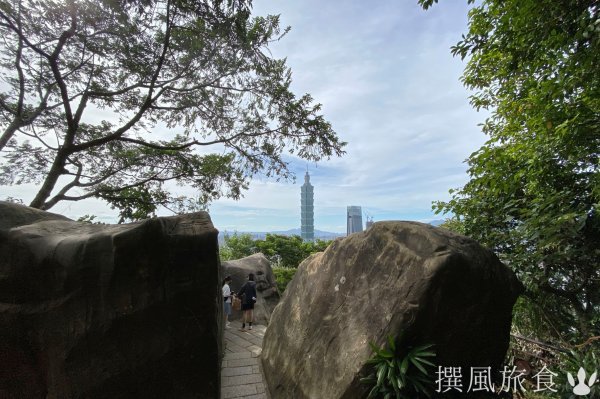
241 374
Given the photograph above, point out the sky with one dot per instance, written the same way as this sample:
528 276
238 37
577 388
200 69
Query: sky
388 84
391 88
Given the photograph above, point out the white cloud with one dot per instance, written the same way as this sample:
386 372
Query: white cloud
388 83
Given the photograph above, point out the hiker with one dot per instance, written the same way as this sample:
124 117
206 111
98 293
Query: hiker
226 300
248 295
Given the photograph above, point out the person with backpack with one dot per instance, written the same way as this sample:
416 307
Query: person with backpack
248 295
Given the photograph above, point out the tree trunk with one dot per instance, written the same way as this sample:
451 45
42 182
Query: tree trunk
55 172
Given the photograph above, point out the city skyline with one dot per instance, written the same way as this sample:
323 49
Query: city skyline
389 86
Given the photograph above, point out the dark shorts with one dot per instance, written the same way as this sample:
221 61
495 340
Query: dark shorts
247 306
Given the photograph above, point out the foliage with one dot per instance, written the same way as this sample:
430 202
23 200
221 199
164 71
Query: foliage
585 357
453 224
90 219
13 200
428 3
544 358
113 99
237 246
289 251
399 374
318 245
284 251
534 188
283 275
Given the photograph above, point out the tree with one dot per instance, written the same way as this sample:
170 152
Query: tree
453 224
534 188
237 246
283 276
112 99
284 251
290 250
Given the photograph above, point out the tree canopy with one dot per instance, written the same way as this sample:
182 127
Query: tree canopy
114 99
284 251
534 189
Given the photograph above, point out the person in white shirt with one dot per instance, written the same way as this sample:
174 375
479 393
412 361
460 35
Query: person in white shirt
226 300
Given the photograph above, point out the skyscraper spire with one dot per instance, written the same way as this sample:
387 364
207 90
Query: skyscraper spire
307 220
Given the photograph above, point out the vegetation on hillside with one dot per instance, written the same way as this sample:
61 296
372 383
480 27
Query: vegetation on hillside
285 252
534 188
534 191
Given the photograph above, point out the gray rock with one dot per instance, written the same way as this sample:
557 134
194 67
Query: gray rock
266 286
108 311
432 285
14 215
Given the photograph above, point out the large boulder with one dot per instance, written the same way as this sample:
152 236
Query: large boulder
266 286
434 286
108 311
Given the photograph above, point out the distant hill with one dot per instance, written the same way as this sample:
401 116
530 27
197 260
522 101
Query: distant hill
323 235
436 222
320 234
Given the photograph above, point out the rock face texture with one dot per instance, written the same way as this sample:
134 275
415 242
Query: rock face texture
108 311
266 287
435 286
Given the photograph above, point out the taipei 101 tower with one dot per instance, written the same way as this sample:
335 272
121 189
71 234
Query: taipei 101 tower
307 217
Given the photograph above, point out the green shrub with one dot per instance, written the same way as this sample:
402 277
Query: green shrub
399 374
571 362
283 275
237 246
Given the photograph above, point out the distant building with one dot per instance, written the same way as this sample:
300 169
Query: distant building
307 210
354 220
369 223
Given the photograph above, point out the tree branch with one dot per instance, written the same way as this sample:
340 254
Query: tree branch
99 192
195 142
10 25
5 106
38 138
75 182
53 60
149 98
18 56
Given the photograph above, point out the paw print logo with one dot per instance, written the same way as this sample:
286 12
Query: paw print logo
581 388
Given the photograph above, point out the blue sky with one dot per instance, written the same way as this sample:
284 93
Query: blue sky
389 85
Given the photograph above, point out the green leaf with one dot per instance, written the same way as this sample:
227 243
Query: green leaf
418 365
420 387
421 348
373 392
381 373
533 190
391 343
400 383
368 380
424 361
404 366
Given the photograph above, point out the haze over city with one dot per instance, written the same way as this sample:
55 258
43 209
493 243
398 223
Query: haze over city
390 88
